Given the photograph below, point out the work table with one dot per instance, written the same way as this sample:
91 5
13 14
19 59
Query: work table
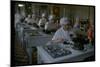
76 55
39 41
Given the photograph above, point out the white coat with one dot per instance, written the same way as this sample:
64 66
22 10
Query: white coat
28 20
61 34
42 21
17 17
51 26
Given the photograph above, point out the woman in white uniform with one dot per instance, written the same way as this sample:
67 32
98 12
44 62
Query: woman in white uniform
64 33
42 21
28 19
34 21
18 17
51 25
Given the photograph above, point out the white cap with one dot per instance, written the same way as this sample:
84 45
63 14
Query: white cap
64 21
43 15
51 17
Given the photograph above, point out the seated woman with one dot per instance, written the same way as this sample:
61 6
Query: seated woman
42 21
34 21
28 19
63 34
51 25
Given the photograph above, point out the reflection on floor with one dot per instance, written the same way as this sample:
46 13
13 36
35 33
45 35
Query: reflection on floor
21 57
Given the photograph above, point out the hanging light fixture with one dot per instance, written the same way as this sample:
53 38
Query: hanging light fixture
20 5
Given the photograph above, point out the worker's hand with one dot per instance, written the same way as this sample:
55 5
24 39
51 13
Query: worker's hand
71 42
52 42
59 40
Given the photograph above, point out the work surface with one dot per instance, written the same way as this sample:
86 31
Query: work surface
40 39
76 55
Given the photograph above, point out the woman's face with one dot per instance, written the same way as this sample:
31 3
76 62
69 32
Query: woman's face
29 16
67 26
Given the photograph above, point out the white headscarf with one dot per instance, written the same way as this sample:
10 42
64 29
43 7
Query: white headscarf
64 21
51 17
43 15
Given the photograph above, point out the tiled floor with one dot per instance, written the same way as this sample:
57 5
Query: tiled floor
20 56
